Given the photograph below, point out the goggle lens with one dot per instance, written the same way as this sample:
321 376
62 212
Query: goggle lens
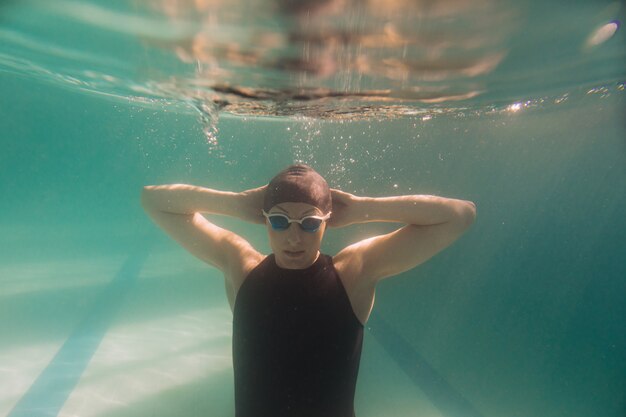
279 222
311 225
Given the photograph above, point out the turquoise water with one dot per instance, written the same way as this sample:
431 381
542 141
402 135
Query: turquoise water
102 315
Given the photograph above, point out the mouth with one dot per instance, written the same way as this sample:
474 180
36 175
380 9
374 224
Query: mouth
294 254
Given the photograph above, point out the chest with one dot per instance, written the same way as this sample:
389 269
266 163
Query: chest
292 297
278 295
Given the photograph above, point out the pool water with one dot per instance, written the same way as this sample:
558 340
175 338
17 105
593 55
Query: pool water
102 315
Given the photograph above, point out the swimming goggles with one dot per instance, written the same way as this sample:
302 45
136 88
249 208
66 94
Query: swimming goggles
309 224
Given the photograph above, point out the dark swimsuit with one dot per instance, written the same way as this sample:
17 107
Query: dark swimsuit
296 343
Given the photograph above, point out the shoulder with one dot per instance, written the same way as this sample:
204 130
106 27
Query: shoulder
361 291
350 267
245 263
350 262
235 276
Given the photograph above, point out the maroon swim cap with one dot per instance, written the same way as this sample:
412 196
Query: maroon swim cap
298 184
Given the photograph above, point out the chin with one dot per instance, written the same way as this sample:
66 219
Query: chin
298 262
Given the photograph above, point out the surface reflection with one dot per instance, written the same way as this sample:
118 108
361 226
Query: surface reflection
337 56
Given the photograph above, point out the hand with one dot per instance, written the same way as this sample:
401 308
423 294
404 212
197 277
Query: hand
253 204
343 208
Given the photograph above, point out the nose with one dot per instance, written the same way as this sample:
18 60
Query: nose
293 235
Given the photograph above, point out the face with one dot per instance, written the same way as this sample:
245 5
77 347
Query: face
294 248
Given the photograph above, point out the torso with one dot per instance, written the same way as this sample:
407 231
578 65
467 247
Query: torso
296 342
361 295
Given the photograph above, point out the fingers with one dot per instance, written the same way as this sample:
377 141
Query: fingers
342 198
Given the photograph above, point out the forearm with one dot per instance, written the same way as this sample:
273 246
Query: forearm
412 209
190 199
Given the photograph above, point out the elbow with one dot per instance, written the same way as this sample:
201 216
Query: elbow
467 213
146 197
464 214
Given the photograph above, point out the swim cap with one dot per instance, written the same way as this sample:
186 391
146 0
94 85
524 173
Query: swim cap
298 184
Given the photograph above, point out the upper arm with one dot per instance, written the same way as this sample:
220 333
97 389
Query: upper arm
217 246
386 255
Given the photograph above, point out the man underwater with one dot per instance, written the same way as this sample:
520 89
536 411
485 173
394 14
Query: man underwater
298 314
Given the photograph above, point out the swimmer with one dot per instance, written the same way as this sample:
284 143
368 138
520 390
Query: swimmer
298 314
